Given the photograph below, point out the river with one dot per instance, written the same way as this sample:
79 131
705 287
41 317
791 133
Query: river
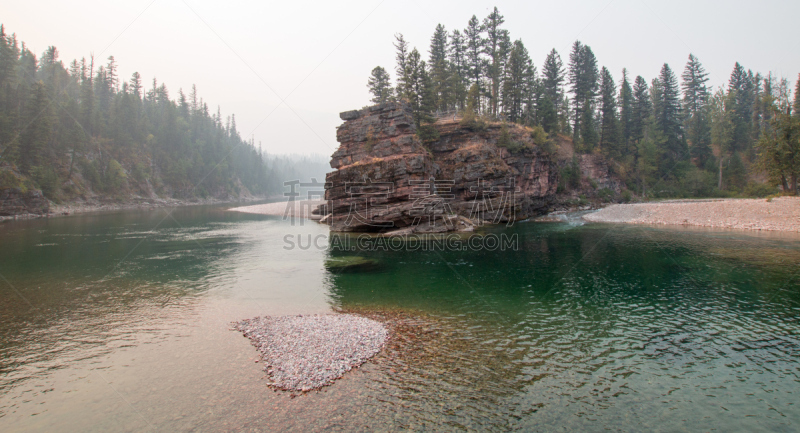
121 322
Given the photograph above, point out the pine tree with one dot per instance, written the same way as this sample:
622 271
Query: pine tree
741 86
34 138
642 109
518 82
695 101
136 85
625 111
609 123
475 47
401 69
583 76
458 66
440 70
553 79
797 97
667 111
494 50
380 86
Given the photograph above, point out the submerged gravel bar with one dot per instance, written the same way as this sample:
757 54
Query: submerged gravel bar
306 352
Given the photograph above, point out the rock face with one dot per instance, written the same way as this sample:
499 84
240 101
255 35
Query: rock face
386 179
15 202
596 168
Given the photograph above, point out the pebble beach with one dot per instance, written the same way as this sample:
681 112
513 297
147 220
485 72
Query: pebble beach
306 352
779 214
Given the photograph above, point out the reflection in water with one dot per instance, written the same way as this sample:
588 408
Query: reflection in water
585 327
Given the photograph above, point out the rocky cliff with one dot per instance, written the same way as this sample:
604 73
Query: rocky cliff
16 201
386 179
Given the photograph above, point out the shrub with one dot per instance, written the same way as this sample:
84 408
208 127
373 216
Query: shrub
427 133
47 180
605 194
115 176
760 190
472 122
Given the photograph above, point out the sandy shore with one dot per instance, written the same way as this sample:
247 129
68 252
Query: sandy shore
779 214
298 208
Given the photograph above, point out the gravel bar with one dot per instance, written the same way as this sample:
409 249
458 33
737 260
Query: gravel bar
779 214
307 352
297 208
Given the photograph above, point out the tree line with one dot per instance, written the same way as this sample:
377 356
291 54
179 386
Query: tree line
662 137
79 128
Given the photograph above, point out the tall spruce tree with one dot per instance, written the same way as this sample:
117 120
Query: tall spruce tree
475 47
459 72
625 111
494 49
797 97
379 85
642 109
440 70
583 76
518 83
401 68
668 120
609 122
740 86
553 79
695 102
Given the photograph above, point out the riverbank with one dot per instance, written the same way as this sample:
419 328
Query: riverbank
779 214
297 208
66 209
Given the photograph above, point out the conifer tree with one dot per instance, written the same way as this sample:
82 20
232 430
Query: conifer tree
518 82
667 110
553 79
695 101
380 86
740 86
440 70
34 137
495 51
583 85
475 47
797 97
401 69
609 123
642 109
626 102
457 52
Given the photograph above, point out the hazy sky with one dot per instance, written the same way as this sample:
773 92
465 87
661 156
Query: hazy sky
286 69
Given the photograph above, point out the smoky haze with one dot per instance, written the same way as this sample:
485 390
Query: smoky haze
286 69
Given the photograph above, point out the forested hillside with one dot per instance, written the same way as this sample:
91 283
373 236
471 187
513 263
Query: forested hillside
81 131
663 137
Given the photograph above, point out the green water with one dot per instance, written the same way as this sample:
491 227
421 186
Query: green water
121 322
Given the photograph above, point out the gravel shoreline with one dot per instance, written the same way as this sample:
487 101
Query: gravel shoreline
779 214
297 208
306 352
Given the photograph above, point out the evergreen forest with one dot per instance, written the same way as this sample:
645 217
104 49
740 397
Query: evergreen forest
670 136
80 130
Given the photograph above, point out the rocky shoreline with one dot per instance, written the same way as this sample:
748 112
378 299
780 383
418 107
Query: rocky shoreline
779 214
297 208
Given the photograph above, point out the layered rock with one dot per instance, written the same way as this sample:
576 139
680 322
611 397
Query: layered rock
13 201
386 179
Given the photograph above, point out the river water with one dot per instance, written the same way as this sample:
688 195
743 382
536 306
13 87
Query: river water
120 322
